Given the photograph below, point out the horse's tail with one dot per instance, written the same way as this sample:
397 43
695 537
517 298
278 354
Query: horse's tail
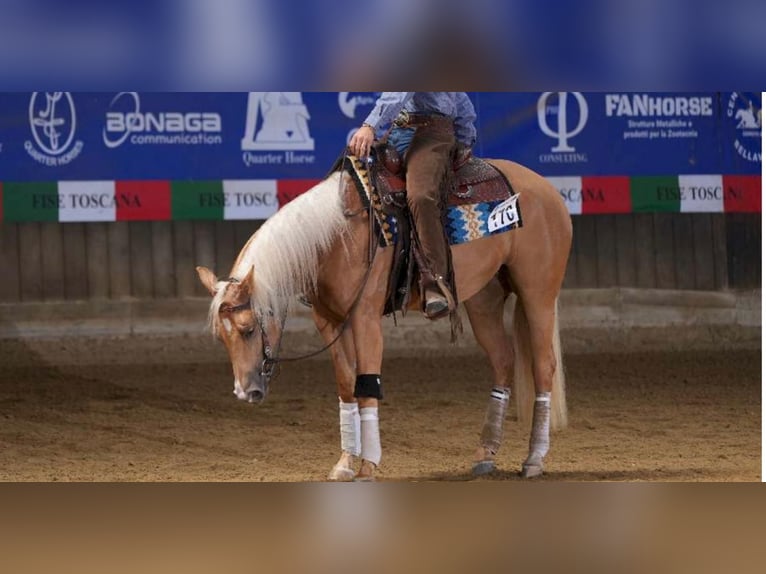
523 377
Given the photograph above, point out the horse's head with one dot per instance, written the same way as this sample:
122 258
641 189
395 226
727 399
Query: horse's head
251 336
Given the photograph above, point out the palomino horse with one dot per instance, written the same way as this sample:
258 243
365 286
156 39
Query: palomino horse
318 245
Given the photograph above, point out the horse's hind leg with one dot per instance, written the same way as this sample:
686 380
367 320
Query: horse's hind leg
485 311
540 314
343 360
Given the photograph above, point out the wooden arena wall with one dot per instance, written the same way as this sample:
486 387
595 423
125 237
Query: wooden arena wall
49 261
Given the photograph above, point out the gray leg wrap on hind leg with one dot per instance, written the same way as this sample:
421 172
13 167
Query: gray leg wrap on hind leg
539 441
492 432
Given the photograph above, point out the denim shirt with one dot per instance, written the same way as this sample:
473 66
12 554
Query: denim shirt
456 105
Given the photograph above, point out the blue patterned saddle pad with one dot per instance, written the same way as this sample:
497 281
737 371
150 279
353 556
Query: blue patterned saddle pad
470 221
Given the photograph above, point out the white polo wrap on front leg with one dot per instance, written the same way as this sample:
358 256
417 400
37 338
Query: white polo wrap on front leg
492 431
371 450
350 428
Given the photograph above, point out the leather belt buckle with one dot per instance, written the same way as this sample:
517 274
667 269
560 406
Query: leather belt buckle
403 119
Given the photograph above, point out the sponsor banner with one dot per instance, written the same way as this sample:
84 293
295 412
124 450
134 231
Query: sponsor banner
684 194
697 194
175 136
242 155
298 135
70 201
560 134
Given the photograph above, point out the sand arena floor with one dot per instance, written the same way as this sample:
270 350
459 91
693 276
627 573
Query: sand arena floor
162 410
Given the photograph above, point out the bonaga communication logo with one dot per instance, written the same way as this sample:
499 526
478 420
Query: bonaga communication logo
53 123
277 122
562 116
744 111
125 122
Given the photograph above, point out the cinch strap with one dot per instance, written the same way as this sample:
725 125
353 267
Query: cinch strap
368 387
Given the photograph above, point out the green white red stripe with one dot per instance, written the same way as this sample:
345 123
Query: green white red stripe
679 194
85 201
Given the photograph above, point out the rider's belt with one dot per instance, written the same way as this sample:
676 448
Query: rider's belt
415 120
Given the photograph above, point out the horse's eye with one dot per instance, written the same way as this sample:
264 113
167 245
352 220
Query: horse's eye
248 333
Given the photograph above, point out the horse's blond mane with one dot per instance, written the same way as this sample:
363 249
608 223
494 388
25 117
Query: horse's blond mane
286 251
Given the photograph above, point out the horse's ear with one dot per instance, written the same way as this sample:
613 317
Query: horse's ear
248 283
208 278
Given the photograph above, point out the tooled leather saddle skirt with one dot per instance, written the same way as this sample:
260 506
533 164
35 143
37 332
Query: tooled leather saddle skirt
479 200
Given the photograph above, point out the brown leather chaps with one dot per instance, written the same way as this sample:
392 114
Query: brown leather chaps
429 163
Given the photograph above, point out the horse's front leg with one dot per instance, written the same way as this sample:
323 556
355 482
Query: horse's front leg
344 362
368 341
367 329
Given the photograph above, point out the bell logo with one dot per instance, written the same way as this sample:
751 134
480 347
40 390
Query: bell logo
277 121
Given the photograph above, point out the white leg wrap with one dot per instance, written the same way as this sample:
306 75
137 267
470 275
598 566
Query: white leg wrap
492 432
371 450
350 428
540 441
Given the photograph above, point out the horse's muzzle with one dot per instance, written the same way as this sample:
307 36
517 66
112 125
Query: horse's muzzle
256 397
255 393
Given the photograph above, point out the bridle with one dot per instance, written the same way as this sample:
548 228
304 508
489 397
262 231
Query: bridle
269 352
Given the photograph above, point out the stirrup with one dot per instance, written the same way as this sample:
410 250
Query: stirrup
441 302
437 307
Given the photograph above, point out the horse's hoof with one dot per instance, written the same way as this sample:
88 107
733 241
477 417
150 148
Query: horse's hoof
364 478
341 474
531 470
483 467
366 472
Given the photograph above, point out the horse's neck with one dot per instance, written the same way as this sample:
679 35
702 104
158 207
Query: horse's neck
344 266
